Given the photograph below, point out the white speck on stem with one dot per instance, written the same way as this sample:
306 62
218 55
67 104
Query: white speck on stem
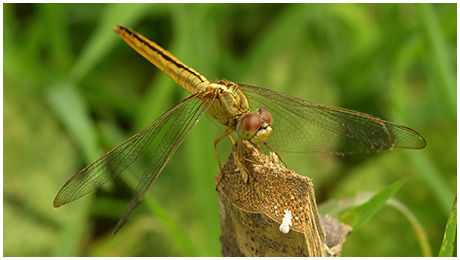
287 222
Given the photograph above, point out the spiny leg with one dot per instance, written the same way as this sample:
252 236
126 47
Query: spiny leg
260 150
218 139
273 151
231 139
239 156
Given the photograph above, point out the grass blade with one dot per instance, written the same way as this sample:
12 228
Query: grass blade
416 225
448 242
356 217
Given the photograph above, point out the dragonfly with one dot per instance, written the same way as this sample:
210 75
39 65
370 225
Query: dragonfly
256 115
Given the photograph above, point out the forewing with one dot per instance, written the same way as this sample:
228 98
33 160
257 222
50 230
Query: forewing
119 158
303 126
176 127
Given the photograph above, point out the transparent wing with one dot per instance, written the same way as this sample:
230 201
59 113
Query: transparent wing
177 126
303 126
170 128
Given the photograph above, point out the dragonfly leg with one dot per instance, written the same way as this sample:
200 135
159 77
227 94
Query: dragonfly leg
273 151
238 157
260 149
251 161
231 139
238 161
218 139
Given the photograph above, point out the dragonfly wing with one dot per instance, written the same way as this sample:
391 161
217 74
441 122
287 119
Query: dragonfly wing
176 127
303 126
119 158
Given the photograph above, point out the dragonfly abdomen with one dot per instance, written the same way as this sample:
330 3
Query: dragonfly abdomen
183 75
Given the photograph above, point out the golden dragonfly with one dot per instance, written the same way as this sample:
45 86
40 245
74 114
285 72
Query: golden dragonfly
257 115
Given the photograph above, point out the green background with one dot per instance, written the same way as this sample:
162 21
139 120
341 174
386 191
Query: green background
73 90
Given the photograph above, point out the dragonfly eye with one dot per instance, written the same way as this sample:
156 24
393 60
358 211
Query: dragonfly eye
266 115
251 123
248 126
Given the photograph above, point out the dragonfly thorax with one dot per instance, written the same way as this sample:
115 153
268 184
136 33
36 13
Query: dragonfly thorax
229 105
231 108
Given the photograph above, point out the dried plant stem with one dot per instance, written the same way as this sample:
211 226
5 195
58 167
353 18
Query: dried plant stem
268 210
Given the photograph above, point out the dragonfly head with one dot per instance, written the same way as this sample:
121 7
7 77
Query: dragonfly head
255 127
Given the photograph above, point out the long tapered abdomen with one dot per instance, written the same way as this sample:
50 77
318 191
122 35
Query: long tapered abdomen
183 75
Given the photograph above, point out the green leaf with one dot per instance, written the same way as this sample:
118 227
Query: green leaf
448 242
356 217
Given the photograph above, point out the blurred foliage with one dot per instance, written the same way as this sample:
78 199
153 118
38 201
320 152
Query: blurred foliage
73 90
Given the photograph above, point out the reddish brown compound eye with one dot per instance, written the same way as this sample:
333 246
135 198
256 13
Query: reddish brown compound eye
251 123
266 115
